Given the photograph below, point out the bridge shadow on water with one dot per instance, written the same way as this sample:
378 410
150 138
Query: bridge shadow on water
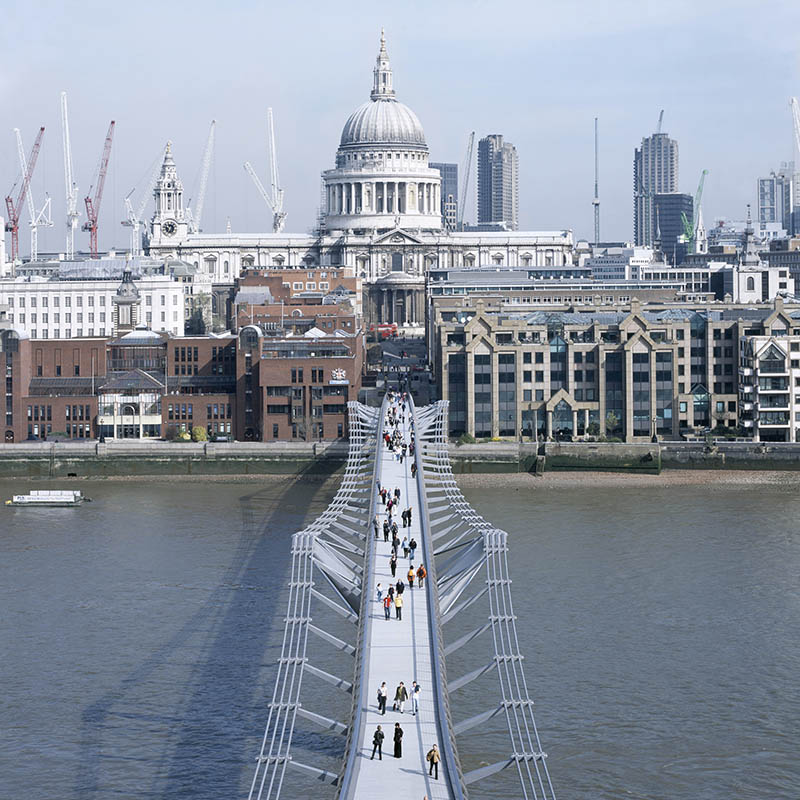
211 731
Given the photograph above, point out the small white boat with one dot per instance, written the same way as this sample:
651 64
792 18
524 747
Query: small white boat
53 499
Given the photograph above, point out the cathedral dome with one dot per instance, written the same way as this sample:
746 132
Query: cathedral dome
383 122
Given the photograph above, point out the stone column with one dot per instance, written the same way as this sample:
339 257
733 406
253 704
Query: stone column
549 428
574 423
586 420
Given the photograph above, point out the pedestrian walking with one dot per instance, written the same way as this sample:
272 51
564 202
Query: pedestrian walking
400 697
413 469
386 530
394 531
433 759
398 606
405 547
377 743
397 493
379 590
376 526
422 573
411 574
412 545
415 691
400 587
408 514
393 564
404 518
387 606
382 693
398 740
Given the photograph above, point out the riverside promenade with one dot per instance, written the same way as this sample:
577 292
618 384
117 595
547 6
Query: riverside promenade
399 650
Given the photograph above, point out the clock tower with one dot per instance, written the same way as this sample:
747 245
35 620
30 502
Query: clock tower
169 220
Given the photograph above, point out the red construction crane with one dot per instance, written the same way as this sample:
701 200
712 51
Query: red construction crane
14 208
93 205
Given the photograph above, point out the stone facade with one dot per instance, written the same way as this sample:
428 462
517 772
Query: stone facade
632 373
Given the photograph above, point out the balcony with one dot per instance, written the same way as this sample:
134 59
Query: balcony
746 423
746 388
746 405
745 372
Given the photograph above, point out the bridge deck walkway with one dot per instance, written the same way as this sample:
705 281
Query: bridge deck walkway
399 650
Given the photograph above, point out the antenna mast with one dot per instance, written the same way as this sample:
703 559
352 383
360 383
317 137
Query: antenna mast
596 200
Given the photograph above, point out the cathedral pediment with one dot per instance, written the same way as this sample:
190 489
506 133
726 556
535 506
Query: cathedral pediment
397 236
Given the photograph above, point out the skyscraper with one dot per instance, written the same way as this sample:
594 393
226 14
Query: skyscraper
655 171
776 196
669 212
498 182
449 173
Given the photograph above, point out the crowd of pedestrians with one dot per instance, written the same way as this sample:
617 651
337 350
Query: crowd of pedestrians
399 440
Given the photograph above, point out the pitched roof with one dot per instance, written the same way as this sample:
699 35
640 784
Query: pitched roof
133 379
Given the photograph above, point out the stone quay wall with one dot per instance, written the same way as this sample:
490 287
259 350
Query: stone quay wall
142 458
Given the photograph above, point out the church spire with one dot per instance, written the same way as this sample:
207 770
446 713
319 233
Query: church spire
382 88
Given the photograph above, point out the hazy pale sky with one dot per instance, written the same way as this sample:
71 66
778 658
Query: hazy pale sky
536 72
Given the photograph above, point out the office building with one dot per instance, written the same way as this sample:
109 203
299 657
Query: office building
498 182
630 372
449 173
778 198
655 171
671 210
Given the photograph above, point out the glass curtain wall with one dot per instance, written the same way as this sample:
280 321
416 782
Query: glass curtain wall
507 394
483 395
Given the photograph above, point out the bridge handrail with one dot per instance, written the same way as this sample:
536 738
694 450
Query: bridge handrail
440 694
517 705
360 687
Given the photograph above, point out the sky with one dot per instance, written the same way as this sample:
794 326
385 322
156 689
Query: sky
536 72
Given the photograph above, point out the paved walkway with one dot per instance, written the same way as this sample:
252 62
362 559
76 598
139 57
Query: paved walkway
399 650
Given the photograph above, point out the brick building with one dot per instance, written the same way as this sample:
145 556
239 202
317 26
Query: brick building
254 386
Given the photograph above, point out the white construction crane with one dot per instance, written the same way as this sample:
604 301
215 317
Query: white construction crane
69 184
40 219
134 220
796 118
462 201
275 200
194 214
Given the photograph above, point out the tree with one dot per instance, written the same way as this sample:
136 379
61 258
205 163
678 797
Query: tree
593 429
199 434
612 422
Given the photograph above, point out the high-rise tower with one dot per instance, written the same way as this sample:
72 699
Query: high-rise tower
449 173
498 182
655 171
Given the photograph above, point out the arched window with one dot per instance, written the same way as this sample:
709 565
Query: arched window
497 258
469 260
248 261
278 261
751 284
526 260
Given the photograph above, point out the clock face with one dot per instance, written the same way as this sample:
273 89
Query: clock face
169 228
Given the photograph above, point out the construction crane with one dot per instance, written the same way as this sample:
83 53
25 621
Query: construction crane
796 118
690 228
93 204
462 201
274 200
14 208
69 184
660 121
134 217
194 214
40 219
596 199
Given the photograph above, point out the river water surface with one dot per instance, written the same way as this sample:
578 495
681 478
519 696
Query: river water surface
659 620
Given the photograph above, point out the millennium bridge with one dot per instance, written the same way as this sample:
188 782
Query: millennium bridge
337 562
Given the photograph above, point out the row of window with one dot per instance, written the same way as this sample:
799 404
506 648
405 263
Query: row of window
45 413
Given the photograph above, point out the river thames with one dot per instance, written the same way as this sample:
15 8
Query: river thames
658 617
